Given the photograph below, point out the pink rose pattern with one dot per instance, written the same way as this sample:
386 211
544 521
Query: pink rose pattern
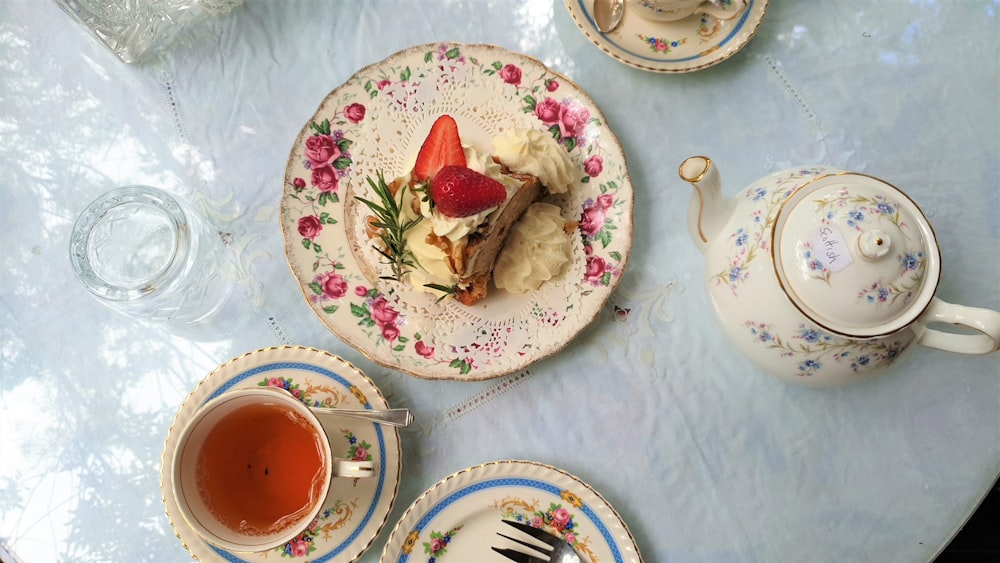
567 120
332 285
547 111
325 179
423 349
304 544
354 113
557 520
327 155
321 151
596 229
327 158
511 74
287 384
593 166
360 450
376 312
437 547
310 226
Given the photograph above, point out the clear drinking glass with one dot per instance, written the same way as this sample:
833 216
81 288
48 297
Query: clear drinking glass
142 252
136 29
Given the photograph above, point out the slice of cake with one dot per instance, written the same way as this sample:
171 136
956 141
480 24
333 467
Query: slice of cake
458 206
483 245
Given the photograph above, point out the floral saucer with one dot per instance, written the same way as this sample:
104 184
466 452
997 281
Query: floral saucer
374 124
693 43
458 518
356 510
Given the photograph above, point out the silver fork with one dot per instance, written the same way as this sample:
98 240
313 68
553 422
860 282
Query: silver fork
559 552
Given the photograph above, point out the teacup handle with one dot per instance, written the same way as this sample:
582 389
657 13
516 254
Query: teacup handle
984 321
708 7
353 468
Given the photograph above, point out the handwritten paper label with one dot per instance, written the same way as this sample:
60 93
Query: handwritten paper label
829 246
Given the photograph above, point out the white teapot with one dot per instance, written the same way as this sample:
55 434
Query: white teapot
825 277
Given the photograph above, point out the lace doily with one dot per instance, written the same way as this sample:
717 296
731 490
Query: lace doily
375 123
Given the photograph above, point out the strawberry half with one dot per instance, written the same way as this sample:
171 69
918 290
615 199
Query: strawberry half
441 148
458 191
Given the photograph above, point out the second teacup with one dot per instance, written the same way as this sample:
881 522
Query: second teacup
673 10
253 467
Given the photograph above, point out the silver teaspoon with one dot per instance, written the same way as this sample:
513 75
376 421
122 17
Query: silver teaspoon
389 417
608 14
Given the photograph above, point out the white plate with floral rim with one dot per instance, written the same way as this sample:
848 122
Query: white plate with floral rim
693 43
355 510
457 519
375 123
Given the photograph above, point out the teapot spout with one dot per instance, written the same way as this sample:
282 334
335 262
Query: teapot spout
708 211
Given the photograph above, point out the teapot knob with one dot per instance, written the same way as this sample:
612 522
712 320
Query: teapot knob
874 244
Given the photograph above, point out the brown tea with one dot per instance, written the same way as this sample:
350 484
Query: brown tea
260 469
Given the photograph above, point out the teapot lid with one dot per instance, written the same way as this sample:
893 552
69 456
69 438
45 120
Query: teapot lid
855 255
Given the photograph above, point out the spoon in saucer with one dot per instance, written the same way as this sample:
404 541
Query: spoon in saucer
388 417
608 14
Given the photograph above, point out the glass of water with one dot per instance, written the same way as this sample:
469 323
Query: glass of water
142 252
136 30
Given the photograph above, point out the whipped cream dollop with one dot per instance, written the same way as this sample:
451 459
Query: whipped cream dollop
434 268
537 153
537 250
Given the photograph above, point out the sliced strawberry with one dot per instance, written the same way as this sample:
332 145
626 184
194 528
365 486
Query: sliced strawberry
441 148
458 191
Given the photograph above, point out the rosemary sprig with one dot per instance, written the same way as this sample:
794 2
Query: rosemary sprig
392 227
446 290
392 231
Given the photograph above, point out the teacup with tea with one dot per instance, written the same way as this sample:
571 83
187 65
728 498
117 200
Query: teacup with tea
253 467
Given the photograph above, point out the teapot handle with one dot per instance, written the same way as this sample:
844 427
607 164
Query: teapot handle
984 321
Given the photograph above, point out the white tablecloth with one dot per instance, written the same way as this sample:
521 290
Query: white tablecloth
705 458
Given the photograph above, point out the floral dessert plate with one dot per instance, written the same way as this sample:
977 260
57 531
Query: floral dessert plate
458 518
355 509
374 124
693 43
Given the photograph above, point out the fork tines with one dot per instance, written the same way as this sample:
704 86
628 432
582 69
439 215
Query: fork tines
533 532
520 557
